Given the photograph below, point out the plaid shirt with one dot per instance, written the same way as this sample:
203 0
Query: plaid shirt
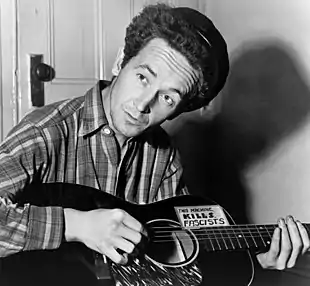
73 142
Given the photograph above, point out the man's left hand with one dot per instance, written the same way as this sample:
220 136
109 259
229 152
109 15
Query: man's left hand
289 241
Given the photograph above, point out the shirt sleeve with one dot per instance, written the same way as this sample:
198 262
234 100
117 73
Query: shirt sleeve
172 184
28 227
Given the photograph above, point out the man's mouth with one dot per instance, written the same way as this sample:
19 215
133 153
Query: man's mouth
136 120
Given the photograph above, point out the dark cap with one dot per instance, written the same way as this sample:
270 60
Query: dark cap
214 43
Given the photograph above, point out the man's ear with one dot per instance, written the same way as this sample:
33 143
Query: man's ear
117 66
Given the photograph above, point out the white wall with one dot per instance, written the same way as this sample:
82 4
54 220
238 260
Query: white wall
278 183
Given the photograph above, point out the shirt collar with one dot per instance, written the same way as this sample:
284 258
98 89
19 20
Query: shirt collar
93 116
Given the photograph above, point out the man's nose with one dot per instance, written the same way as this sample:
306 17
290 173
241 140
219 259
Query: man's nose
144 102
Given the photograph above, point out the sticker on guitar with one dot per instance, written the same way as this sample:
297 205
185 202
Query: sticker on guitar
201 216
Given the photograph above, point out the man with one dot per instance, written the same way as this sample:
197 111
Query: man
175 60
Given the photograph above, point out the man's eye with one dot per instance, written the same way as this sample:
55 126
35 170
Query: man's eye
168 100
142 78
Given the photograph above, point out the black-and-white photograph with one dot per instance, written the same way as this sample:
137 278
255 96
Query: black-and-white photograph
154 142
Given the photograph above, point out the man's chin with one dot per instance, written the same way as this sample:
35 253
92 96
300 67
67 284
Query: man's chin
130 131
133 134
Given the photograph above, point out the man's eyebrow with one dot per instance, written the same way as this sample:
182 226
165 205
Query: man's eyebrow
176 91
148 68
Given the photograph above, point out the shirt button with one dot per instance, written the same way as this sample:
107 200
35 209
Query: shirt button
107 131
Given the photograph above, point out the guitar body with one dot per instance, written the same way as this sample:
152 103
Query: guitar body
172 256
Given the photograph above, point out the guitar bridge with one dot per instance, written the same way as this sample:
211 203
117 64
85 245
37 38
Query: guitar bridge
101 267
98 265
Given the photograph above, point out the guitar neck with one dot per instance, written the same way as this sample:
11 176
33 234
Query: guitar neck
238 237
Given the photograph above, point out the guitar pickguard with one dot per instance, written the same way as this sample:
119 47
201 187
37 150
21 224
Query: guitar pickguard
170 258
144 272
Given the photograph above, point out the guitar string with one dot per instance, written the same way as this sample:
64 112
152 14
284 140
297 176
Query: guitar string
211 237
219 231
220 227
213 229
219 237
218 234
233 233
234 240
215 232
237 242
224 235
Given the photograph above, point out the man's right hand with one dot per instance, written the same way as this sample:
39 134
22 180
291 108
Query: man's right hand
105 231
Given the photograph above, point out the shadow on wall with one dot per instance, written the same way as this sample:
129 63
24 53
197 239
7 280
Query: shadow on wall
265 99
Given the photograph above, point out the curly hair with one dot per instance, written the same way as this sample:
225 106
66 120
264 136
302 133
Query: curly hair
159 21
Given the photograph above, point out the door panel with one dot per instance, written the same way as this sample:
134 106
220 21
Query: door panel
73 40
67 34
8 96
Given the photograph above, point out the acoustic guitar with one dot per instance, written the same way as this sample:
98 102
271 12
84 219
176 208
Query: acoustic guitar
191 241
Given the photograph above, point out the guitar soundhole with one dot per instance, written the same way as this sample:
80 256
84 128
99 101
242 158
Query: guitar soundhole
170 245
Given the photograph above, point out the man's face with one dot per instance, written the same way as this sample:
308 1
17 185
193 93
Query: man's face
149 88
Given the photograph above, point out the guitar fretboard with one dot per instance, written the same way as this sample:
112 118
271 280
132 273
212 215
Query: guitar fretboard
236 237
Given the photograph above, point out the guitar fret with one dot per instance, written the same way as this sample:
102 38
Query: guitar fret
255 244
240 238
219 245
236 237
223 239
208 240
213 248
241 235
270 236
229 238
236 243
259 232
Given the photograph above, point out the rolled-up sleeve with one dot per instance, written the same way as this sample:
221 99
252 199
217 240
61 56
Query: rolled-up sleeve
45 228
25 227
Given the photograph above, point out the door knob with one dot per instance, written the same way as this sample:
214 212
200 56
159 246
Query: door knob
43 72
39 73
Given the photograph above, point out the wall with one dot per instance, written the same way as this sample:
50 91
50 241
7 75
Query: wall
267 97
262 133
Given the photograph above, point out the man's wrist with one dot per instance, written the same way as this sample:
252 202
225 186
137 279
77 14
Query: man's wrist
72 220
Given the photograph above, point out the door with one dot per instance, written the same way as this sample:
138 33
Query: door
79 39
71 37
